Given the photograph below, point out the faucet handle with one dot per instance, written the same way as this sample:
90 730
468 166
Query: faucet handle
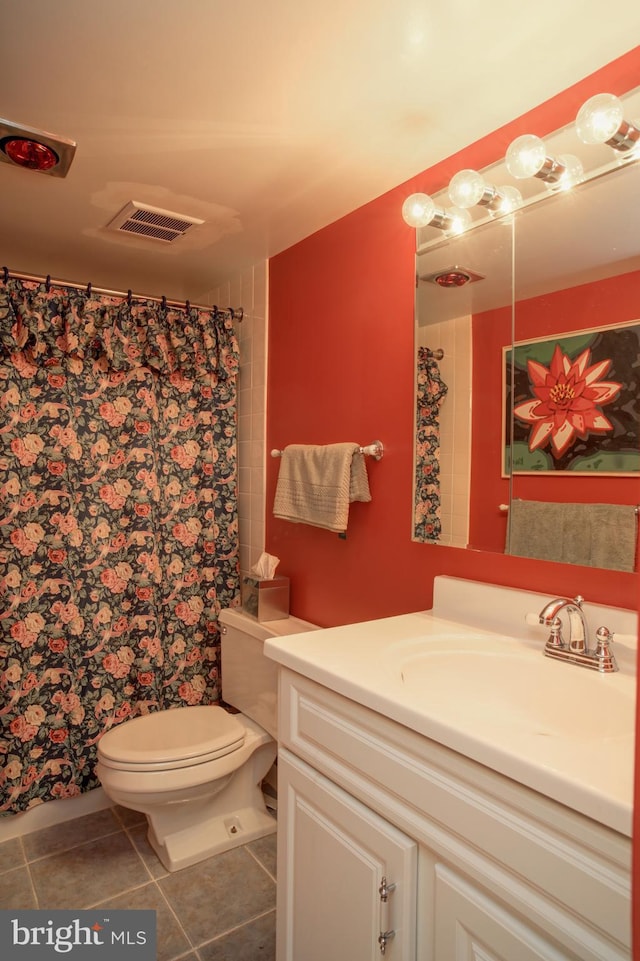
555 638
606 659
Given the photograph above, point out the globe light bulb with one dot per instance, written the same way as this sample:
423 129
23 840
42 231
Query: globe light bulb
418 210
526 156
458 220
510 199
573 173
466 188
599 119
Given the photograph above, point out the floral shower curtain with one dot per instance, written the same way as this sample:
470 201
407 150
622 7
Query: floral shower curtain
118 523
430 394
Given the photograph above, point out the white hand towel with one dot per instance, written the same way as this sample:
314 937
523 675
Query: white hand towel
316 484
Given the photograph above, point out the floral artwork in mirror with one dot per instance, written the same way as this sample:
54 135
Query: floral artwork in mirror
575 403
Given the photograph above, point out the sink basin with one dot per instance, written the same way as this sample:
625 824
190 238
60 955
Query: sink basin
506 684
485 691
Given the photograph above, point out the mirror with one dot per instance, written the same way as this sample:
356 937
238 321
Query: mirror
562 273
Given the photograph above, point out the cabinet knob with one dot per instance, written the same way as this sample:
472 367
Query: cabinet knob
383 937
385 890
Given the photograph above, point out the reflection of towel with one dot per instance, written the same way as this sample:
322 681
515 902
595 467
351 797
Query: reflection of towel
316 484
594 535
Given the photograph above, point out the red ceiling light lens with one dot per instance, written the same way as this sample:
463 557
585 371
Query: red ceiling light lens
30 153
452 278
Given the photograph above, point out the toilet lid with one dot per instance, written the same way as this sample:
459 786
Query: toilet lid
177 737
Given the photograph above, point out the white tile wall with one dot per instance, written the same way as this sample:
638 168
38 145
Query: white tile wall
454 337
249 290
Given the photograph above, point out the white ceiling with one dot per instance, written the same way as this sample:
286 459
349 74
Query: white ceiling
266 118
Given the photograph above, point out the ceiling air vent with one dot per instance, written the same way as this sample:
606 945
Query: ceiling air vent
152 222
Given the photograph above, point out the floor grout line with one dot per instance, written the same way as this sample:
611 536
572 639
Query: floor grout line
237 927
72 847
135 887
139 853
30 875
177 919
264 868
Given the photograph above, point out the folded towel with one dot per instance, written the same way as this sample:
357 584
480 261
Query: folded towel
316 484
594 535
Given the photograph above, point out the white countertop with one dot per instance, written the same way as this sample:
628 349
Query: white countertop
564 731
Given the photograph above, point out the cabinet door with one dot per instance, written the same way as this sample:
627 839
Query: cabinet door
472 926
333 853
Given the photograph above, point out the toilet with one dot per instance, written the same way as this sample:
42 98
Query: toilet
196 772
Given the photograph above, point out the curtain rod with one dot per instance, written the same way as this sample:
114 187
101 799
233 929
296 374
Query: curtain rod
236 313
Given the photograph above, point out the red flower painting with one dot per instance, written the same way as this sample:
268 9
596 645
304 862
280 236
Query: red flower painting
567 401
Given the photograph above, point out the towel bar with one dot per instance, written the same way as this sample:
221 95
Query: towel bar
375 450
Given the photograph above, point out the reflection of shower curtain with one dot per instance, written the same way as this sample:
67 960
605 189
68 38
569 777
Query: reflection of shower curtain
118 523
431 391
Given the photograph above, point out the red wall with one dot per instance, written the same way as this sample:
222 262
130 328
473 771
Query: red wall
611 301
341 369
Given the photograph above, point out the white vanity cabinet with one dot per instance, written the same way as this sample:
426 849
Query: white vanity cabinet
350 887
483 867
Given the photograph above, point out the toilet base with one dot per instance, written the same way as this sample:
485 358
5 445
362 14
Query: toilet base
183 832
212 836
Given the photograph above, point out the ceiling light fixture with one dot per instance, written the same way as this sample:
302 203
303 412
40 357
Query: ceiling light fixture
35 150
454 276
29 153
601 120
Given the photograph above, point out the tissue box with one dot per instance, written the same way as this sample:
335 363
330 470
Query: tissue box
265 600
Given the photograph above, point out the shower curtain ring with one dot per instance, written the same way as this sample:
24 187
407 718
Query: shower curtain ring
129 297
187 306
163 302
89 289
5 277
47 283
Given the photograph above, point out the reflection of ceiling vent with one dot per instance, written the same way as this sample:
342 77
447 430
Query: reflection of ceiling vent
152 222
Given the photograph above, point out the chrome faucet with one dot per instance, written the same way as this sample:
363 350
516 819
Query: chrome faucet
576 649
578 630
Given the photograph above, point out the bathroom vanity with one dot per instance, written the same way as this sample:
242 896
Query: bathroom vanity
447 792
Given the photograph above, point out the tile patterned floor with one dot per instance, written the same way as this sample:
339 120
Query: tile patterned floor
222 909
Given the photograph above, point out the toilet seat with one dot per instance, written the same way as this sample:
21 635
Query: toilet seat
171 739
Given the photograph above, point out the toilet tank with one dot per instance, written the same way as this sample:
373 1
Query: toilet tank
249 679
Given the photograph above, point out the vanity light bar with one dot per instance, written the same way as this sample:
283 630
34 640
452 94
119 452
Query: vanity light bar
600 120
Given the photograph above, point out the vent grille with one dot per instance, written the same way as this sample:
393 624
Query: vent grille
152 222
